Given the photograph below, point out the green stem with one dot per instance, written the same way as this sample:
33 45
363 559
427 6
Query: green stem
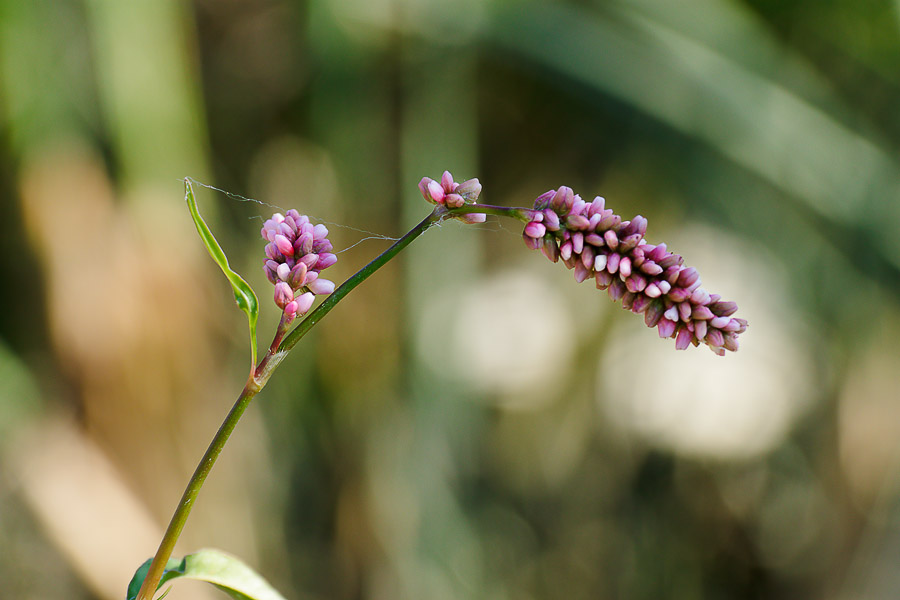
437 215
281 345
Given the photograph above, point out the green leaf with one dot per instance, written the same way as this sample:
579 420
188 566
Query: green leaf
216 567
243 293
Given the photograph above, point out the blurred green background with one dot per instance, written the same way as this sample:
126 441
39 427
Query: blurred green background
470 423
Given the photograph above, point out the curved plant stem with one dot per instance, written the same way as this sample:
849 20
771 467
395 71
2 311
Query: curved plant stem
281 345
437 215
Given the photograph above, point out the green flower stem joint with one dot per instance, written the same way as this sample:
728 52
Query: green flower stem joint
589 239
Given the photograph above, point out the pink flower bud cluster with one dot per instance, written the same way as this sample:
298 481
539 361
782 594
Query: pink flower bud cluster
453 195
296 254
649 279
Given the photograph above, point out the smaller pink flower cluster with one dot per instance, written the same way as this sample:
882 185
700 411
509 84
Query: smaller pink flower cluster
453 195
649 279
296 254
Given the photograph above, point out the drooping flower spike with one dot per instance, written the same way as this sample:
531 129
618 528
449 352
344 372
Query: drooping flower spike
649 279
448 193
296 254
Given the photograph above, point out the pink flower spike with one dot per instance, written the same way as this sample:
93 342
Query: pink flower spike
321 286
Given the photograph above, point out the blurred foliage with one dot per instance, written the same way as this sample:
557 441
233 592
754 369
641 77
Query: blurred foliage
469 423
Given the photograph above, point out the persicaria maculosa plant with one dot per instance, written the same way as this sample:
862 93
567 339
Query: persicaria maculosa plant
587 237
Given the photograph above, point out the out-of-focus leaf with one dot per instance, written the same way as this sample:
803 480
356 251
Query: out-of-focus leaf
216 567
244 295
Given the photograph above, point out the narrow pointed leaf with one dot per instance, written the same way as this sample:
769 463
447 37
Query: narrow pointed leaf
244 295
216 567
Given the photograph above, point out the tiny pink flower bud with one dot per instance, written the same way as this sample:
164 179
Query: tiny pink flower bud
290 310
283 294
270 274
594 240
611 239
326 259
435 192
616 289
625 266
700 329
730 342
278 217
532 243
587 258
719 322
700 296
577 242
684 311
653 314
683 339
701 313
447 182
597 205
723 309
652 290
285 230
666 328
305 302
271 250
310 260
604 279
577 222
551 220
639 224
733 325
600 262
641 303
303 244
535 230
671 260
474 218
284 245
634 283
283 271
578 206
294 215
423 187
651 268
321 286
609 221
676 294
469 190
550 249
672 313
664 286
562 200
543 201
628 300
565 251
687 276
714 337
581 272
297 277
612 262
320 232
454 200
